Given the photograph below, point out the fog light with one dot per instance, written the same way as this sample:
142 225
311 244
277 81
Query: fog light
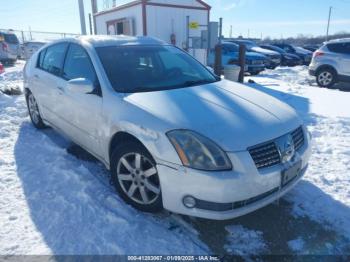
189 201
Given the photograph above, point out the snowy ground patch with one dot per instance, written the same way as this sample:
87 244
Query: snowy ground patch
244 242
11 82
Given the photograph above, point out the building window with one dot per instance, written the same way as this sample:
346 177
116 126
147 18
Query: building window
120 27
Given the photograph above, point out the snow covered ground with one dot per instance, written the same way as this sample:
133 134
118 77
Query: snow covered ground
51 202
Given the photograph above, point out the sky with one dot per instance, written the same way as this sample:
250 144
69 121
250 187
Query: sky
254 18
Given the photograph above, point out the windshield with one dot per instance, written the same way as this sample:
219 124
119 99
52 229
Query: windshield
133 69
230 47
275 48
249 45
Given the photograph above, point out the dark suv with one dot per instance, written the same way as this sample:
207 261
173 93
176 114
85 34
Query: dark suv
304 54
9 47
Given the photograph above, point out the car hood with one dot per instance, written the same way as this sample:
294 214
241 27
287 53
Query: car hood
254 55
303 51
264 51
233 115
291 56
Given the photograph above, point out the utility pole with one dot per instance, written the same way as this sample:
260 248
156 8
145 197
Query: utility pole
82 17
329 21
231 31
220 29
90 24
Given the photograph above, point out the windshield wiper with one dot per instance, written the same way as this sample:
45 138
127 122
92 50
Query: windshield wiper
197 82
185 84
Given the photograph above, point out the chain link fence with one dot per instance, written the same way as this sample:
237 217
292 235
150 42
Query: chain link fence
25 36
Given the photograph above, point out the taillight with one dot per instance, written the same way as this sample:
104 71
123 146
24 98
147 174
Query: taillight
318 53
5 47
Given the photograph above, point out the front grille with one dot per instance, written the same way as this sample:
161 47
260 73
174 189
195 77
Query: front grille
267 155
258 62
298 138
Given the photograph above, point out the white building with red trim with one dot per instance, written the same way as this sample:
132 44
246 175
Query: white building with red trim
164 19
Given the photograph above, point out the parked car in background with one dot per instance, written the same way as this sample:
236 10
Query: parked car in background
9 47
2 69
30 47
311 48
273 58
304 54
331 63
288 59
173 134
255 62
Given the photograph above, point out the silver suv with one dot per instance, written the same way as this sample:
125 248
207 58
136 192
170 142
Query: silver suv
9 47
331 63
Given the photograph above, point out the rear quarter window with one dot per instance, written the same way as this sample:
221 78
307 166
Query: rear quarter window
54 57
41 57
340 48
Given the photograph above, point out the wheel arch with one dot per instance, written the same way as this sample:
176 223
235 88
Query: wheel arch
326 66
124 137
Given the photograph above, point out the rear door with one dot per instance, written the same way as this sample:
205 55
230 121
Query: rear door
48 82
341 53
347 59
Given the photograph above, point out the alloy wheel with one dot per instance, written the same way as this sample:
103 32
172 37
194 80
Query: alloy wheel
325 78
138 178
33 109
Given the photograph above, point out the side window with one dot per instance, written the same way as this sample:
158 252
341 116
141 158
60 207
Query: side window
341 48
347 48
54 57
78 65
41 59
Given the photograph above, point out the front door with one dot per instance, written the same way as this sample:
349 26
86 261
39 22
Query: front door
82 112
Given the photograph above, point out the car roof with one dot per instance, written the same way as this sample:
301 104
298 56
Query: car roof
229 43
342 40
117 40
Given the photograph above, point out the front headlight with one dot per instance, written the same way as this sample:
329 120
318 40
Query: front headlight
198 152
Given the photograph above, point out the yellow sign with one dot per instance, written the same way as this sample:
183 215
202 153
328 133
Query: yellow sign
194 25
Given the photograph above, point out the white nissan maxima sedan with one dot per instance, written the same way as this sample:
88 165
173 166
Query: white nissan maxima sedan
172 134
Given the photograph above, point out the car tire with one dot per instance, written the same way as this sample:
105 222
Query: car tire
326 77
34 112
135 177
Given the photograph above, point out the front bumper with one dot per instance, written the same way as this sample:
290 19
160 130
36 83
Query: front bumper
227 194
256 68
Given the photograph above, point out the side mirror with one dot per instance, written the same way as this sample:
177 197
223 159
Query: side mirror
80 86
